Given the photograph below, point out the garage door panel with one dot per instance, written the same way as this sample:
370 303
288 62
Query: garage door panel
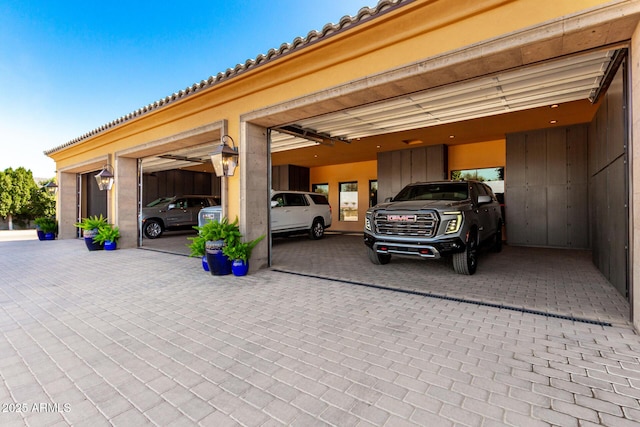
601 135
617 221
516 160
436 162
516 225
615 126
405 168
602 216
557 233
396 178
536 159
578 219
384 176
556 157
577 158
536 215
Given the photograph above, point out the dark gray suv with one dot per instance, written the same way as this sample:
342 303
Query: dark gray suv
433 220
175 212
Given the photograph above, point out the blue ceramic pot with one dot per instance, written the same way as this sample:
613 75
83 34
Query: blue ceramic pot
239 267
219 263
110 246
88 240
205 264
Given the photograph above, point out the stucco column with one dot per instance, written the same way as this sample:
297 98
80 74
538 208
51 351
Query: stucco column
126 200
66 205
634 179
254 190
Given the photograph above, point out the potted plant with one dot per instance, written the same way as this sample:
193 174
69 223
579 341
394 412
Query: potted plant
239 253
46 228
215 235
107 236
90 227
197 247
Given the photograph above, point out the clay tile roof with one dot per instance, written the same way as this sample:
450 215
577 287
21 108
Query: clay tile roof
363 15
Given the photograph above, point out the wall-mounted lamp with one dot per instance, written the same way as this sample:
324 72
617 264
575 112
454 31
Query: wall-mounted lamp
105 177
225 158
51 187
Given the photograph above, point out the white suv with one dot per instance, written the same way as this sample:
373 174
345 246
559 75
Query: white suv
298 211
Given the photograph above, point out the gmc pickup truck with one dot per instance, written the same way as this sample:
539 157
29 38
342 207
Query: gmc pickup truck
434 220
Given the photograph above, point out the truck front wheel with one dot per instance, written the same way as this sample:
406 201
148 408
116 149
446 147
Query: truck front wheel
467 262
378 259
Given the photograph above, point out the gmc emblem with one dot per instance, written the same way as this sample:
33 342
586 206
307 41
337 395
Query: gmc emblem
401 218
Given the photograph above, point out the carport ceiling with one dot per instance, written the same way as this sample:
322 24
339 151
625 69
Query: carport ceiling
574 81
490 106
194 158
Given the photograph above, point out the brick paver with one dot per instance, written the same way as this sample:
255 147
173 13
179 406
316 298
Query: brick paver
135 337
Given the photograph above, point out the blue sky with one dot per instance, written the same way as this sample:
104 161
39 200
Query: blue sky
68 67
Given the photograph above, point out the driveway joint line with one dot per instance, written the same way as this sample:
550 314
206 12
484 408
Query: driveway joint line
448 298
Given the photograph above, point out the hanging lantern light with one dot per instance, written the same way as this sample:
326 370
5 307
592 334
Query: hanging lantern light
105 177
225 158
51 187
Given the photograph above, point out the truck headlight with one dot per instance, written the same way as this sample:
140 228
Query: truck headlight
367 223
453 224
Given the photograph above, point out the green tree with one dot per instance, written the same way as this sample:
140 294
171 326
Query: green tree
41 204
15 193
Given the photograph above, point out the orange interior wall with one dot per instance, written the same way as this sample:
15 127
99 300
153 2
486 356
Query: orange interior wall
487 154
333 175
465 156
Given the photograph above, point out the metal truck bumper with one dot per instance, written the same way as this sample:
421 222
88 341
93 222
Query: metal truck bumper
433 250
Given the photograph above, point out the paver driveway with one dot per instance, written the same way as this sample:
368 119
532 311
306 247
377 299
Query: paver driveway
136 337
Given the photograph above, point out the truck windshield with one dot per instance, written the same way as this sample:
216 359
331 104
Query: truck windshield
441 191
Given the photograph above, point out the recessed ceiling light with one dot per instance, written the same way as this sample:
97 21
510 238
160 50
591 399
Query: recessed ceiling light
554 106
378 146
553 122
451 136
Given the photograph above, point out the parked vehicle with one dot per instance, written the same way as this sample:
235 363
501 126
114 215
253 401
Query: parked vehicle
433 220
298 211
167 213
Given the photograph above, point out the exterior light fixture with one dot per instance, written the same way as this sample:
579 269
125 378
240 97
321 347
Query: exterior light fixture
51 187
225 158
105 177
412 141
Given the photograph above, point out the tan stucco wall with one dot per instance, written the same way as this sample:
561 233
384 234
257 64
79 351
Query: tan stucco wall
408 34
634 180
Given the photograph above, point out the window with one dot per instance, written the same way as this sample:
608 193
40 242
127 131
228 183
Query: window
294 200
493 177
321 188
289 199
319 199
348 201
373 193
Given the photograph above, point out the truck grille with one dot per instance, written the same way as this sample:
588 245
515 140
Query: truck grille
419 224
